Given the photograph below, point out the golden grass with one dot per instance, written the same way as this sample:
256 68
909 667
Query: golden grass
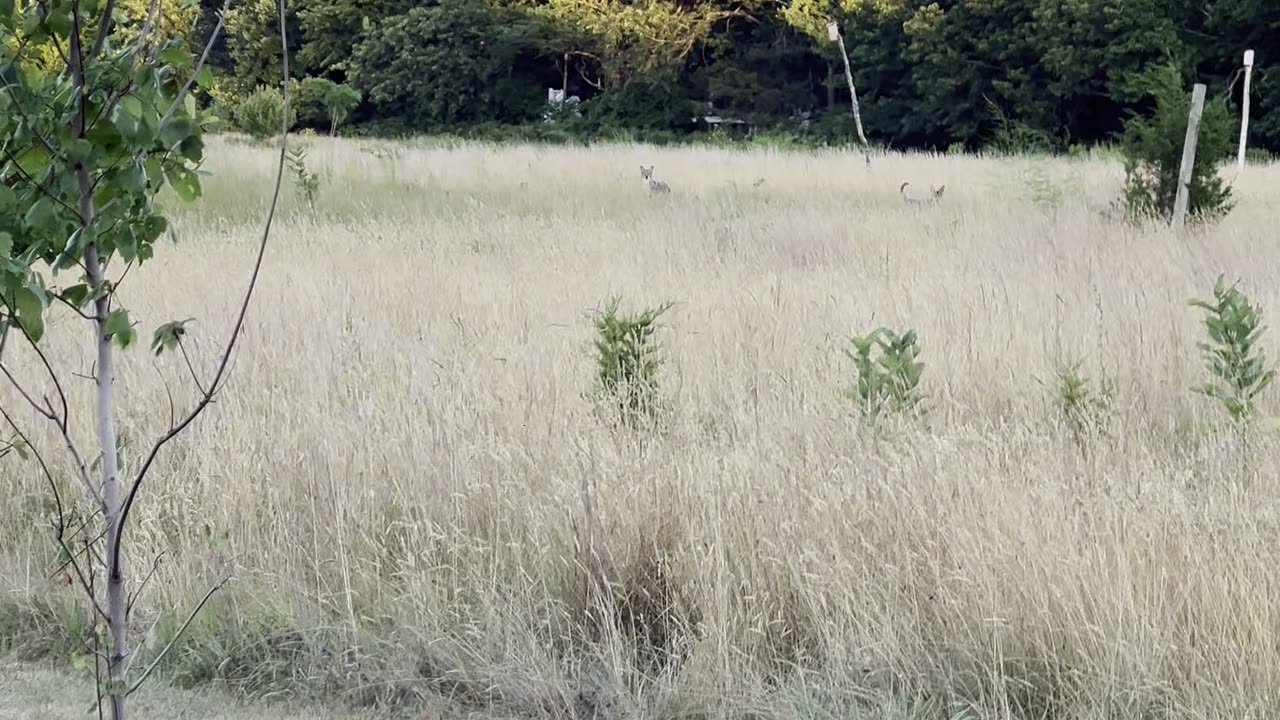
404 458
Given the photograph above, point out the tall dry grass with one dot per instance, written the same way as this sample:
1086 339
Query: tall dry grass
403 473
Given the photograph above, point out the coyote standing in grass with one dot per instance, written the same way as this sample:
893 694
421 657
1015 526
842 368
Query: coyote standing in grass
934 197
653 186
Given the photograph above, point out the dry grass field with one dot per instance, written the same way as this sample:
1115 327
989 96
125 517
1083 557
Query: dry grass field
400 476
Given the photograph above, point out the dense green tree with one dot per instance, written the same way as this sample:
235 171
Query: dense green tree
1095 54
649 39
324 103
762 70
253 32
1217 33
456 62
1153 151
929 72
331 29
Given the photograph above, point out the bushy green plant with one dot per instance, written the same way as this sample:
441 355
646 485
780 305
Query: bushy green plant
1238 368
1043 190
886 373
453 62
260 114
1152 148
1085 405
628 362
324 102
306 182
1258 156
642 105
1013 137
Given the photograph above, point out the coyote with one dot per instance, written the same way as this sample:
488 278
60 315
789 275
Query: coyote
653 186
934 197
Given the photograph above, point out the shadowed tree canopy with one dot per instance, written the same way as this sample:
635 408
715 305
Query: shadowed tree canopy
931 73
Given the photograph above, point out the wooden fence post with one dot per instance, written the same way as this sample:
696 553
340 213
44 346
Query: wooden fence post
1188 157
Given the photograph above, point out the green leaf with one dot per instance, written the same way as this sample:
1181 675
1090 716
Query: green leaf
6 8
6 245
59 21
174 131
131 105
204 78
32 160
185 183
30 312
192 148
118 328
8 199
168 336
76 295
176 57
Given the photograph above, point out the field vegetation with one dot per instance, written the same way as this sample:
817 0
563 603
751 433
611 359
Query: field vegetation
422 501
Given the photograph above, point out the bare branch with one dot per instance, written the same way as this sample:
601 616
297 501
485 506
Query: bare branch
61 513
191 368
204 57
219 377
177 636
155 565
103 30
86 551
62 422
146 30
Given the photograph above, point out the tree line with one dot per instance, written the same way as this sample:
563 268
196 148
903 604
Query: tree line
1034 74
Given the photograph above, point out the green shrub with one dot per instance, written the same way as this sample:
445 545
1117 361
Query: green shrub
259 115
324 103
1258 156
886 373
641 105
306 182
1014 137
452 63
1239 370
1152 148
1084 406
628 361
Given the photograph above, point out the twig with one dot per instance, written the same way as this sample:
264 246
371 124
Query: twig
218 378
97 653
177 636
59 422
194 377
48 367
155 565
146 30
204 57
103 30
57 501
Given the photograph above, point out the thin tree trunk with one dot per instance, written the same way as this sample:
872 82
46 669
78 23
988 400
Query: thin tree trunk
104 379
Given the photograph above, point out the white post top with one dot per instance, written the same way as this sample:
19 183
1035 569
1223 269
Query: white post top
1248 58
833 31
